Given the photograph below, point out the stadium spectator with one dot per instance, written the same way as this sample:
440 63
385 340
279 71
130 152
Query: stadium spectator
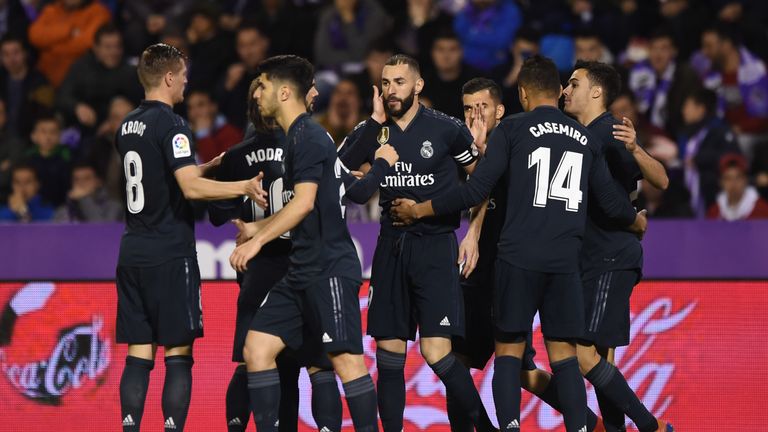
213 133
231 93
447 75
344 111
669 204
345 32
655 141
588 47
702 142
50 159
684 19
737 200
63 32
210 50
486 29
11 150
88 199
290 25
526 45
379 53
13 19
96 78
661 83
146 20
416 29
25 203
25 91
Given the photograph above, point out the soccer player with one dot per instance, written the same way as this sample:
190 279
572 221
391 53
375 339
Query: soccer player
415 277
483 110
317 300
611 257
158 281
552 164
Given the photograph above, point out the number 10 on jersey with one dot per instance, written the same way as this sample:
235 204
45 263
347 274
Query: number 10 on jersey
565 184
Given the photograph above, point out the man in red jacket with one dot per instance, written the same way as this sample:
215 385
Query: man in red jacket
737 200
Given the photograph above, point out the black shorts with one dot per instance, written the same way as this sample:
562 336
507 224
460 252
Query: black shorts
478 343
520 293
316 319
159 304
606 307
262 274
415 282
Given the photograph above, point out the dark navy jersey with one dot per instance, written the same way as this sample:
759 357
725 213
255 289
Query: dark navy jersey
553 163
429 149
153 143
260 152
322 246
607 244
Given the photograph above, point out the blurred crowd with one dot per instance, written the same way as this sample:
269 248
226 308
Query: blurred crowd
695 82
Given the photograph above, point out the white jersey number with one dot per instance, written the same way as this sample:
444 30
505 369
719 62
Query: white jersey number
134 190
566 183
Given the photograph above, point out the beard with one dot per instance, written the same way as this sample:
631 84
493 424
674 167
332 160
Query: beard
405 105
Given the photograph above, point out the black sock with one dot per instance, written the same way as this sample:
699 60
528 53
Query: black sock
361 400
611 383
456 377
571 393
613 417
238 408
457 417
177 391
288 369
549 396
326 401
391 389
264 392
506 391
133 391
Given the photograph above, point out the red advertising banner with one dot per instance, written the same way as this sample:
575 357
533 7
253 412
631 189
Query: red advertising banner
697 357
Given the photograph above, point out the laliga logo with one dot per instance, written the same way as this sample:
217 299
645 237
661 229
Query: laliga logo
80 353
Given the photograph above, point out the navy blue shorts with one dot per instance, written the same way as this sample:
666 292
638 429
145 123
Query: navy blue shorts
159 304
519 293
415 283
606 308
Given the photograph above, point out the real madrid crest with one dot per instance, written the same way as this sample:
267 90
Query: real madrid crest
383 137
426 149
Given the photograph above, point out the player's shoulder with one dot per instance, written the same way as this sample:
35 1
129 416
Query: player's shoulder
440 118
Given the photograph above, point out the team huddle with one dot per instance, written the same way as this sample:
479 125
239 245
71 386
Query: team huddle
552 230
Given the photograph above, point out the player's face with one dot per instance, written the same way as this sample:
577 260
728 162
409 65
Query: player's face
309 100
398 88
491 110
579 94
179 83
265 96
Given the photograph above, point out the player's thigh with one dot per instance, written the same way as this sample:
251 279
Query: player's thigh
177 299
561 309
133 322
606 307
516 297
436 295
388 301
280 315
332 313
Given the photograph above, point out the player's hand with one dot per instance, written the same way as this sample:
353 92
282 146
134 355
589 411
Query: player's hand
234 74
357 174
479 128
245 231
85 114
641 224
469 253
388 153
402 211
243 253
626 133
255 192
379 115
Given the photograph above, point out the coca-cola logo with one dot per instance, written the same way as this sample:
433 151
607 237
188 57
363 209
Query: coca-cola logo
80 354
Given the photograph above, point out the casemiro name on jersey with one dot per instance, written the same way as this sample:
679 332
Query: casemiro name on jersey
557 128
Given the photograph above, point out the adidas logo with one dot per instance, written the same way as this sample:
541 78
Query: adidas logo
445 322
514 424
277 423
583 429
235 422
325 429
169 424
326 338
128 421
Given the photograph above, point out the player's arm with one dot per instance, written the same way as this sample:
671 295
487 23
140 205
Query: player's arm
652 170
196 187
286 219
209 168
223 211
469 249
614 203
360 144
361 190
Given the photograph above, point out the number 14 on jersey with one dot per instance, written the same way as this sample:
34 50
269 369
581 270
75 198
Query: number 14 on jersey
565 184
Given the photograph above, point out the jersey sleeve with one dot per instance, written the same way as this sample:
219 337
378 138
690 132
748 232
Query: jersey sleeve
178 147
614 203
222 211
461 147
480 183
309 154
361 190
359 146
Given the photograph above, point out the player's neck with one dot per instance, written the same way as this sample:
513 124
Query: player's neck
159 96
534 103
289 114
590 114
406 118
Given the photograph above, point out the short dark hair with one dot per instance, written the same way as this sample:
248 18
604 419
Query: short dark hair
445 33
289 68
662 32
84 164
47 117
528 33
156 61
726 32
11 38
106 29
586 33
706 97
479 84
603 75
539 74
24 166
400 59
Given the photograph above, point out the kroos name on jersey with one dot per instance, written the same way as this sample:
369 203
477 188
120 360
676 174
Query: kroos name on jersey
135 127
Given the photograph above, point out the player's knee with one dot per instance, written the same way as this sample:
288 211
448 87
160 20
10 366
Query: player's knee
348 366
534 381
433 349
587 356
184 350
257 358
